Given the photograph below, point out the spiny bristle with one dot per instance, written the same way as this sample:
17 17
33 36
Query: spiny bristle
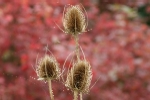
74 20
47 68
79 77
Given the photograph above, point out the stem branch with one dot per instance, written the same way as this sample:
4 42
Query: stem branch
50 89
80 96
77 47
75 95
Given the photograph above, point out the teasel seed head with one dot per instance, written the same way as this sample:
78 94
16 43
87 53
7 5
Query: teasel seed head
74 20
79 77
48 68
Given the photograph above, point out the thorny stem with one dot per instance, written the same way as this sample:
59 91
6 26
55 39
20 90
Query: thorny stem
77 47
75 95
80 96
50 89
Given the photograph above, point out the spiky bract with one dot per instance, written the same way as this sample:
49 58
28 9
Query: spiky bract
48 68
74 20
79 77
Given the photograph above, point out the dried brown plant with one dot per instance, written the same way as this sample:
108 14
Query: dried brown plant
74 20
79 77
48 70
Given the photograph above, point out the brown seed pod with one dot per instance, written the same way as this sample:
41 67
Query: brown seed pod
79 77
74 20
48 68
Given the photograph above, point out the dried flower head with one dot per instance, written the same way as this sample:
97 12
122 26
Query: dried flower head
79 77
74 20
48 68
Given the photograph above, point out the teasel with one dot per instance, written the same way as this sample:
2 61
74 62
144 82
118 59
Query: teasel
79 78
48 70
75 22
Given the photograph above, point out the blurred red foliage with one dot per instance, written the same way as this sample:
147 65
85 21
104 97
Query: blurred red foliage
118 49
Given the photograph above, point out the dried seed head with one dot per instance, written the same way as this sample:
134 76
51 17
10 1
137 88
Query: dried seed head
48 68
79 77
74 20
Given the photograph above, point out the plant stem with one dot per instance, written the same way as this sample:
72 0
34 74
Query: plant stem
75 95
77 47
80 96
50 89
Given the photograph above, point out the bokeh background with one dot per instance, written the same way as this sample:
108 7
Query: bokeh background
117 46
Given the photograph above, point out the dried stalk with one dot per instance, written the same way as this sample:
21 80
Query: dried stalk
77 47
79 77
75 95
80 96
50 89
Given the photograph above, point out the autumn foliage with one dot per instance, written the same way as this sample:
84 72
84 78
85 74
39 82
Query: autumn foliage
117 47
